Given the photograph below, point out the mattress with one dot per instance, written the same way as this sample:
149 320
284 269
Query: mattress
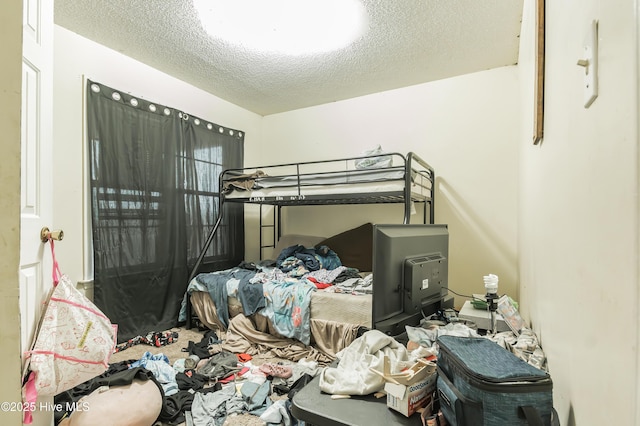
340 307
370 187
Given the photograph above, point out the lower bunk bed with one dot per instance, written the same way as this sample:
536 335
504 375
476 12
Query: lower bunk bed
283 306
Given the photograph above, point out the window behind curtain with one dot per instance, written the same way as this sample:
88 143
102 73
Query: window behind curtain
154 197
207 153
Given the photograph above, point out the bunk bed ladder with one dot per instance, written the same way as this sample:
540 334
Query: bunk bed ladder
274 225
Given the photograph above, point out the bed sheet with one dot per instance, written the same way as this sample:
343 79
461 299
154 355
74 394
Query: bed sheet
341 307
334 322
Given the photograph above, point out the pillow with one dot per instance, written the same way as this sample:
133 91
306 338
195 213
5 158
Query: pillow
354 247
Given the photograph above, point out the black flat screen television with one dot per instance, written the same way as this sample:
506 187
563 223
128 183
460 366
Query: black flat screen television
410 274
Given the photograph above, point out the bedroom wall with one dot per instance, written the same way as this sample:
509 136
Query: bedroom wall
578 215
465 127
77 57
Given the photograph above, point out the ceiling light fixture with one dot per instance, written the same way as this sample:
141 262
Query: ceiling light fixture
290 27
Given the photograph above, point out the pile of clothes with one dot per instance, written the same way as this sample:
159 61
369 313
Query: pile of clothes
201 389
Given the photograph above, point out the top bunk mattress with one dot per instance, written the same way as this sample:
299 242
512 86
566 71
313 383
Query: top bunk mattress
301 192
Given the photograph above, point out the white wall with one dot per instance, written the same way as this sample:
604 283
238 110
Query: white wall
466 127
559 221
578 216
77 57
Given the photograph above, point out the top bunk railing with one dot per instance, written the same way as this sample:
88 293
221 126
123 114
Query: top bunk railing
340 180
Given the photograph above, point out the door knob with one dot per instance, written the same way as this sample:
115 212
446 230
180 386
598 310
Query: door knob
46 234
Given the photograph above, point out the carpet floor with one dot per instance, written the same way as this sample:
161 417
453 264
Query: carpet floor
174 351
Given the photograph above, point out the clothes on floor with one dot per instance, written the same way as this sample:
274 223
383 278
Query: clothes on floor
212 409
220 365
175 406
207 405
189 379
154 338
201 349
277 414
256 396
159 365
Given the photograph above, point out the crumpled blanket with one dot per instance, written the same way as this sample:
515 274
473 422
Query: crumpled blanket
243 336
353 375
287 306
242 182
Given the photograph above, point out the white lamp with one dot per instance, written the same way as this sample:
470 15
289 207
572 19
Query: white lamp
289 27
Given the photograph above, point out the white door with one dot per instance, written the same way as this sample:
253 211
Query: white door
36 172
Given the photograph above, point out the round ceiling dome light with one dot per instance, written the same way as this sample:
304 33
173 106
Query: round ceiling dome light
290 27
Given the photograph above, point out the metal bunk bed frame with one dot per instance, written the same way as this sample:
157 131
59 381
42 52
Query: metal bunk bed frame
424 174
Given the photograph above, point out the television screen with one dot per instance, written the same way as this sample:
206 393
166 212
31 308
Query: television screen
410 274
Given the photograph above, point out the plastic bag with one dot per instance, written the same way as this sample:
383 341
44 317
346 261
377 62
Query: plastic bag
375 159
73 343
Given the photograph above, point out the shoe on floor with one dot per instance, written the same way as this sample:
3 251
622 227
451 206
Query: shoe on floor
276 370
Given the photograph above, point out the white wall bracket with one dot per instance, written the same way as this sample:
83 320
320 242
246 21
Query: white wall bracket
590 63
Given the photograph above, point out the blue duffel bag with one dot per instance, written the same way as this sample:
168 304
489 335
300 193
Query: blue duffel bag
481 383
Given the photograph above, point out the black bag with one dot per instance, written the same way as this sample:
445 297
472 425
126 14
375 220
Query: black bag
481 383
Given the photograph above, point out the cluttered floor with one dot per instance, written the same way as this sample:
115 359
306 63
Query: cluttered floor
190 379
185 351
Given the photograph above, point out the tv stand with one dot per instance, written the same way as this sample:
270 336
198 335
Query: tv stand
315 408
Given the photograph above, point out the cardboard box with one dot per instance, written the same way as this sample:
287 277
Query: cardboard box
410 389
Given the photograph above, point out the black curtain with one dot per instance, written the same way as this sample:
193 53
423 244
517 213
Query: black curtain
154 198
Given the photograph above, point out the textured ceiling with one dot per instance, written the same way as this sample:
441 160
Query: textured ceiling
407 42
